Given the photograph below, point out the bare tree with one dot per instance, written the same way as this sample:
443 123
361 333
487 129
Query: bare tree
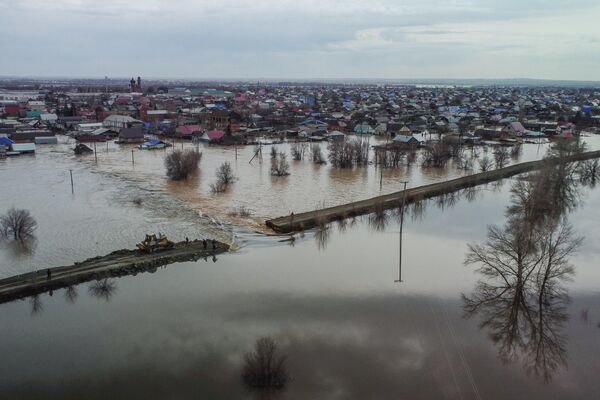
298 150
437 154
17 223
501 156
181 164
346 154
485 164
264 367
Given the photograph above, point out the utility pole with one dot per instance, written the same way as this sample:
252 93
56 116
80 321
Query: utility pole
399 280
71 173
380 165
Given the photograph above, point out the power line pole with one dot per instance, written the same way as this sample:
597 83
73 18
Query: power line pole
401 225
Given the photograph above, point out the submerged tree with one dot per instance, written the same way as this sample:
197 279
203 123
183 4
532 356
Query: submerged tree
298 150
181 164
501 156
280 165
264 367
348 153
317 154
17 223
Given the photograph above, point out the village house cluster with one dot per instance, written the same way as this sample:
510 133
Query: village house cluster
34 112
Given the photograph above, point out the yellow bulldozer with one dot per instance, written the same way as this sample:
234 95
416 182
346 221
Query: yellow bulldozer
152 243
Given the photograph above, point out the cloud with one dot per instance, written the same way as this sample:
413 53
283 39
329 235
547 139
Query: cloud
306 39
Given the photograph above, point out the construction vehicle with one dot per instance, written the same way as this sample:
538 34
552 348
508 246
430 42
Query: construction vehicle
152 243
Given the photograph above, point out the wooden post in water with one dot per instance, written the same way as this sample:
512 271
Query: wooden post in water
71 173
107 146
132 159
95 153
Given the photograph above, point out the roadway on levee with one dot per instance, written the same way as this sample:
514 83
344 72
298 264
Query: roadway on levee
310 219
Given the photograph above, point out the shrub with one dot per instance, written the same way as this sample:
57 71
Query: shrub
241 211
224 178
181 164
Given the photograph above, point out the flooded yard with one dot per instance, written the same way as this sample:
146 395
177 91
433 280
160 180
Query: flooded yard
333 299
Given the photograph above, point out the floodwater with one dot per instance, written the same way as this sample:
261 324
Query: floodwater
330 298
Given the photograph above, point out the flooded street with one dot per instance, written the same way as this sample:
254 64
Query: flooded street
331 298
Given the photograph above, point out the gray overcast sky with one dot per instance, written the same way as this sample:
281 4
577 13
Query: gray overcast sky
551 39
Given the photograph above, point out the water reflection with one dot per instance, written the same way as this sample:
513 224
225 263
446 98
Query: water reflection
18 249
71 294
103 289
378 219
521 300
36 304
322 235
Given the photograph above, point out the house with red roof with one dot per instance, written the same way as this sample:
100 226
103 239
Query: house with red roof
187 131
214 136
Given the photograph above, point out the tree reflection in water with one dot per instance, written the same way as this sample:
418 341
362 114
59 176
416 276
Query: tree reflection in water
36 304
71 294
322 235
521 300
103 289
378 219
20 248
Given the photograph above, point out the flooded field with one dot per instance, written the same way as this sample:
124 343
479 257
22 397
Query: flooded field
331 298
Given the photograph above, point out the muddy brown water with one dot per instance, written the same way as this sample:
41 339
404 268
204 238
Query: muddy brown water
330 300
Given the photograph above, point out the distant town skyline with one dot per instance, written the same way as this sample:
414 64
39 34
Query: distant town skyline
269 39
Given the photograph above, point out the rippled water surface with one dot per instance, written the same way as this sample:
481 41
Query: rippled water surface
330 298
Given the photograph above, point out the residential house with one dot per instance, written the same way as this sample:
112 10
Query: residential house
131 135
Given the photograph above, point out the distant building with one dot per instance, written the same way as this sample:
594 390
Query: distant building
116 122
37 106
135 86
